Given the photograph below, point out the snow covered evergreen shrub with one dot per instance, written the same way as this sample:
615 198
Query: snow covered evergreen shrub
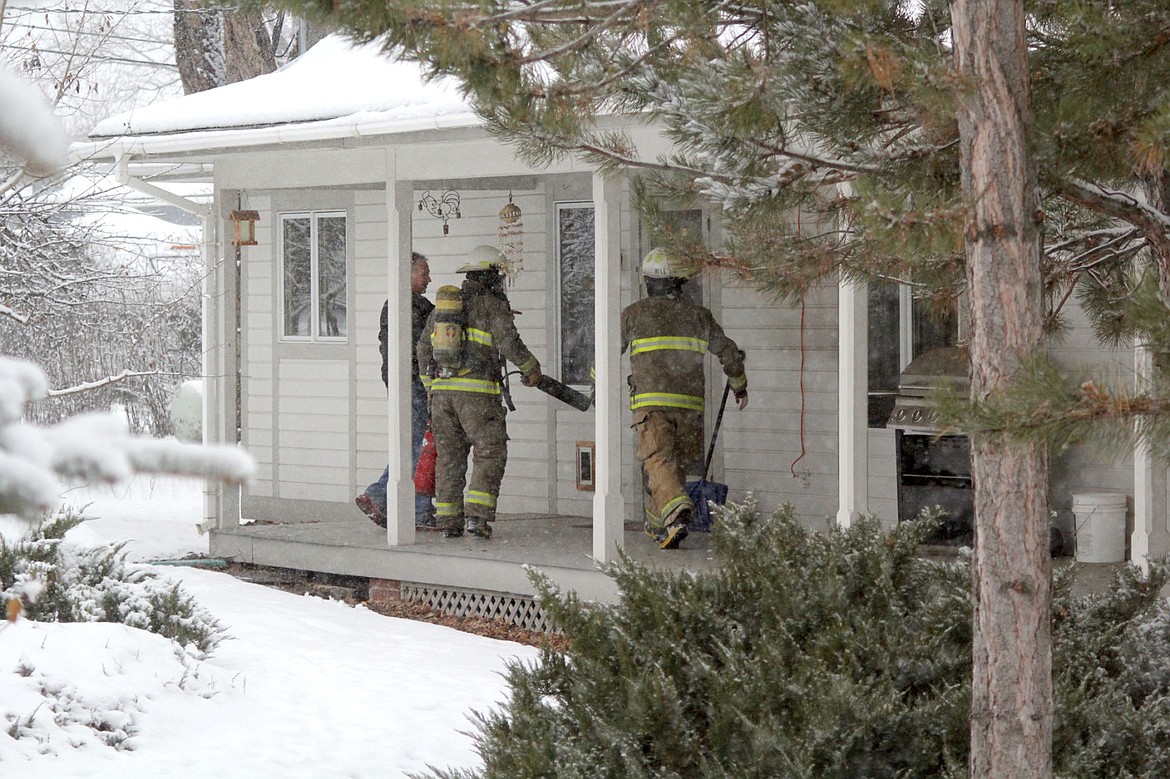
837 653
72 584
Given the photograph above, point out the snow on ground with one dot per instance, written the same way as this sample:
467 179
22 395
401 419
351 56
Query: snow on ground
302 687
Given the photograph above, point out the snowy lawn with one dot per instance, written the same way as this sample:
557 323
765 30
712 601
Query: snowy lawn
301 687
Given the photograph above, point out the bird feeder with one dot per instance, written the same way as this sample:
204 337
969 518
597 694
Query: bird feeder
244 227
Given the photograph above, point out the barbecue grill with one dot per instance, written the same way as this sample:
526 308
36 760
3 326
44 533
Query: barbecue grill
914 411
933 469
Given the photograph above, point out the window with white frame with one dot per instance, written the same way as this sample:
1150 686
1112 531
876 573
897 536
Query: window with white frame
313 276
576 264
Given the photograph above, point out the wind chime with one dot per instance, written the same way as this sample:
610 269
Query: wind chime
442 207
511 238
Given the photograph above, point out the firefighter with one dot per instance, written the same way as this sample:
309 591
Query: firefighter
464 385
667 336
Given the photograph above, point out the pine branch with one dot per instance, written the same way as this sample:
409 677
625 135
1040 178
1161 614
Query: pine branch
1154 224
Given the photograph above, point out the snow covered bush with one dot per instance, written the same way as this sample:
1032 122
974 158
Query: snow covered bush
836 653
88 448
57 582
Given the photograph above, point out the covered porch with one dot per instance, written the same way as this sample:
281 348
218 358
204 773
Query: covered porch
467 575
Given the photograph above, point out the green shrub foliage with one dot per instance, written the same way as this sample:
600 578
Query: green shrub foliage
835 653
98 585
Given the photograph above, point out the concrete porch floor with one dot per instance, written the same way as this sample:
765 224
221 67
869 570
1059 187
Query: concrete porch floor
559 546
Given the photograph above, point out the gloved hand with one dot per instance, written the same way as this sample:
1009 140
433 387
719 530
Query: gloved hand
532 379
741 398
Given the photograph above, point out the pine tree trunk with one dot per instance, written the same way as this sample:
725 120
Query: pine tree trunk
1011 707
198 46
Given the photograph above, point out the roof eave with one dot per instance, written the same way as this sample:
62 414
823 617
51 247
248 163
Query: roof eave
116 147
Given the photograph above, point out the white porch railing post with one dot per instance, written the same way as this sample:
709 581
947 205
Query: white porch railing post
1151 535
400 485
608 504
221 334
852 412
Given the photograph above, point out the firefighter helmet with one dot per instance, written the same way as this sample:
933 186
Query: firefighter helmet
662 264
483 258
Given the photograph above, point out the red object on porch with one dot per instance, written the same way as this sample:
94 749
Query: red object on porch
424 474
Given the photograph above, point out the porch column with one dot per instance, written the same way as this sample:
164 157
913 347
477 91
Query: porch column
221 502
400 485
608 504
1151 534
852 402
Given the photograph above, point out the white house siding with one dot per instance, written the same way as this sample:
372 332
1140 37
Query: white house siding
297 402
762 444
369 293
314 415
1087 467
882 476
313 424
526 486
257 277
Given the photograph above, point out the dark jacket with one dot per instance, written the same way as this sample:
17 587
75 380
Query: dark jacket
489 337
667 337
420 309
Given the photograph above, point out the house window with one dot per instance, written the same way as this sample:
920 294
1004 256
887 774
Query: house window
900 328
575 256
313 265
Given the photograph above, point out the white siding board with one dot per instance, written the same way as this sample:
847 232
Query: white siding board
314 441
261 404
308 490
260 439
260 371
321 423
313 473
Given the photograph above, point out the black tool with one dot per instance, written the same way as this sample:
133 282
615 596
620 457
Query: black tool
564 393
702 492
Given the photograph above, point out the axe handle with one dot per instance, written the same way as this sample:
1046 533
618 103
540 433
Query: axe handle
564 393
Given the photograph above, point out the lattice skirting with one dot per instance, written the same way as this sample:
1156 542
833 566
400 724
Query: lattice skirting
519 610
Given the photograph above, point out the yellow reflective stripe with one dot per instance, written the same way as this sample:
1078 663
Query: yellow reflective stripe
738 382
672 505
446 509
479 336
456 384
426 380
528 366
481 498
676 343
670 400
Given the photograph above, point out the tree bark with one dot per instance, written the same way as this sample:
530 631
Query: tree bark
247 45
199 52
1011 705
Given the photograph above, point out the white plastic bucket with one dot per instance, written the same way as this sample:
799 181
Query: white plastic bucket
1100 526
187 411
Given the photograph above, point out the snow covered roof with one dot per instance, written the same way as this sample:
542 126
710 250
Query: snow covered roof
337 88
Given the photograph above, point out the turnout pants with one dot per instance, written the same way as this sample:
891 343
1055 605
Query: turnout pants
463 423
669 440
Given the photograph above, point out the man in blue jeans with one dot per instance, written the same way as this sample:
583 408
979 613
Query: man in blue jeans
372 502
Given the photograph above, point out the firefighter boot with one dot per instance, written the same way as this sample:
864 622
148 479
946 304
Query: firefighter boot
677 526
479 527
